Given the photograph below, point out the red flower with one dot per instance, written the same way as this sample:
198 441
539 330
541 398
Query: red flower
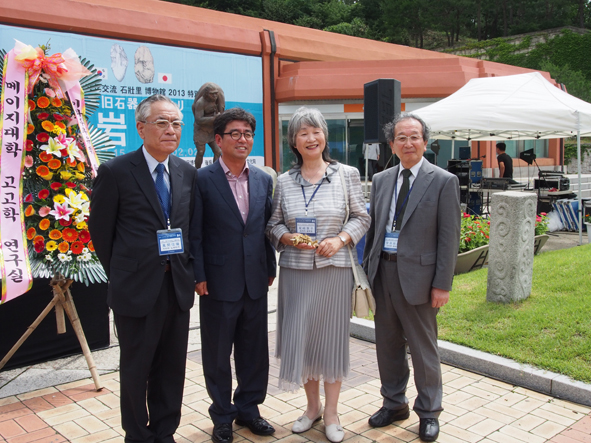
42 137
64 152
84 236
70 235
468 239
43 194
70 185
77 247
90 246
29 145
39 246
42 115
466 215
543 213
32 105
29 198
55 186
58 117
67 222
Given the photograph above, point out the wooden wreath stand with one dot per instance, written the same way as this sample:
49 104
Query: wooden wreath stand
63 301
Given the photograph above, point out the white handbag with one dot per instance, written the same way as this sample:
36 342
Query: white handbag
362 299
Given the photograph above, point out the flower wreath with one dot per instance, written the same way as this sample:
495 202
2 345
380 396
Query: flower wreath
57 178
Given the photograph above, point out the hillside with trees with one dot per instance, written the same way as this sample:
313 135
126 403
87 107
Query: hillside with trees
449 25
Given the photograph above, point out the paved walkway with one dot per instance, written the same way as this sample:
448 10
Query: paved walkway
477 409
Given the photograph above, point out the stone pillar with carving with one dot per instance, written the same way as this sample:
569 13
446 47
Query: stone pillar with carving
511 248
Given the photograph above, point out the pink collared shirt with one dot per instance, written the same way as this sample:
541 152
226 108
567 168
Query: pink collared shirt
239 187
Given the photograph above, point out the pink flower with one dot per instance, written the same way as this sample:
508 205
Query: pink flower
62 211
28 161
44 211
49 92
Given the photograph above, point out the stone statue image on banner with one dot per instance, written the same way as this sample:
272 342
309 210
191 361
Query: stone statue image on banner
209 102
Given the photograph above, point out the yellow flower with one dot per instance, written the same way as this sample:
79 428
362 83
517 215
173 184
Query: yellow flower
81 226
80 167
68 191
59 198
51 245
79 176
65 175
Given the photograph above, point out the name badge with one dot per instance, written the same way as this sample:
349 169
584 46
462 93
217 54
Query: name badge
306 225
391 242
170 241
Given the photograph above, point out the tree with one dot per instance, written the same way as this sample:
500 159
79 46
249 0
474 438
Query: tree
575 82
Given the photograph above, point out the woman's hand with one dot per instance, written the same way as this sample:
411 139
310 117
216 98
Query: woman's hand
329 246
287 239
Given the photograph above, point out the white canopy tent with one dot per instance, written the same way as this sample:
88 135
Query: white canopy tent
513 107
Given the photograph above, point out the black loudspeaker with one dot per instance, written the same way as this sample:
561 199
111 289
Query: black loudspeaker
381 102
528 156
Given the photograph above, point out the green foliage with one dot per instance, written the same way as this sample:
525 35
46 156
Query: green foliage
576 83
541 226
550 330
356 28
474 232
570 150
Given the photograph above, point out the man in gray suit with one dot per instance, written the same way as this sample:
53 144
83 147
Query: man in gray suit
410 254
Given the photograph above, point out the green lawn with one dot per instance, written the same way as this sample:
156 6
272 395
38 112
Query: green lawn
550 330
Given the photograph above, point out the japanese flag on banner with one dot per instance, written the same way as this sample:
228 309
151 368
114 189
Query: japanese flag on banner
164 78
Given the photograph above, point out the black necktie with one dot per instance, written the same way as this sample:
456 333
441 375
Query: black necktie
162 190
401 200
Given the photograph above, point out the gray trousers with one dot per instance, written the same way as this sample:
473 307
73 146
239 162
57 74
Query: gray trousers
399 323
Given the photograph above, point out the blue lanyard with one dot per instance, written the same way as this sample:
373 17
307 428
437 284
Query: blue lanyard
313 194
396 214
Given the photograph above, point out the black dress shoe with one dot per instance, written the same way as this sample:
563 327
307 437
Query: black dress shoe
258 426
429 429
386 416
222 433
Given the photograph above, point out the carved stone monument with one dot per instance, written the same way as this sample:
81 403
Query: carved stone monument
208 103
511 248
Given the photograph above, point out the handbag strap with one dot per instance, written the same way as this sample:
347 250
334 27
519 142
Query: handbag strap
344 185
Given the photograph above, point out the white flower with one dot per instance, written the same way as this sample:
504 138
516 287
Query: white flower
48 257
62 257
79 218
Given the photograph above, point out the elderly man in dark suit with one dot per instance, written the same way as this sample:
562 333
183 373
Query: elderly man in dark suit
234 266
141 209
410 255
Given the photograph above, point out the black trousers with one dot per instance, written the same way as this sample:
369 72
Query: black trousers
153 360
243 325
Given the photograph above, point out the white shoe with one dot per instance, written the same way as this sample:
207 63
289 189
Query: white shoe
334 433
303 423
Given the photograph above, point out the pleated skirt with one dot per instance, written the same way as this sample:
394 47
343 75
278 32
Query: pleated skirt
313 312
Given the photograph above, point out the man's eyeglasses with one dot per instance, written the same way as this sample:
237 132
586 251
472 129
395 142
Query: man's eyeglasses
402 139
248 136
177 125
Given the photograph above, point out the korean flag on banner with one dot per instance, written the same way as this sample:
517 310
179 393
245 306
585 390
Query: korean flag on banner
102 73
164 78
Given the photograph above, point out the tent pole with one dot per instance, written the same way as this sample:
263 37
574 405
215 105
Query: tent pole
453 149
580 186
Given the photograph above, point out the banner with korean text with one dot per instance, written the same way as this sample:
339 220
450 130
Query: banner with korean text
14 257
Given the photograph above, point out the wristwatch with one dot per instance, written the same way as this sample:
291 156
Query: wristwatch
342 239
